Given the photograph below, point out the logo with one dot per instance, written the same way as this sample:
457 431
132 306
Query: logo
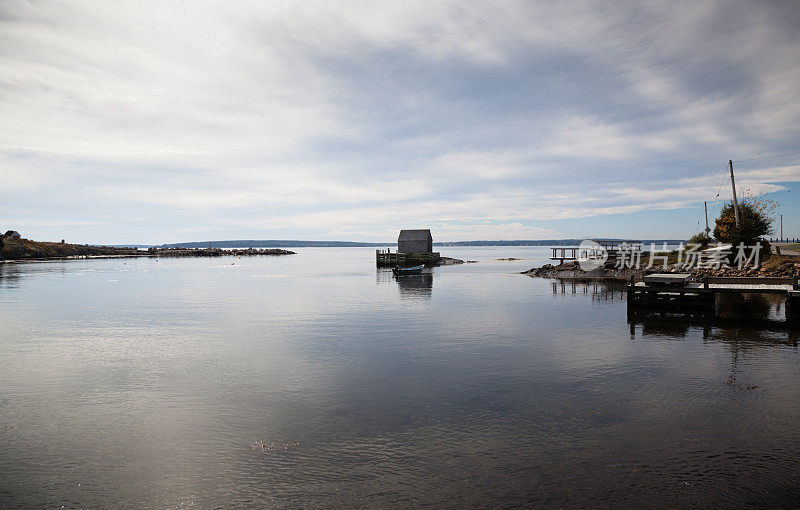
591 255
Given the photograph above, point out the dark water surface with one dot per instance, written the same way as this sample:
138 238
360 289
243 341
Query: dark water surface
314 380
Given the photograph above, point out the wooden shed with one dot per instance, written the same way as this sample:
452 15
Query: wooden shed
415 241
414 247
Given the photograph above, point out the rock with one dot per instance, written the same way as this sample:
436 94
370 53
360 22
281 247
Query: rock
447 261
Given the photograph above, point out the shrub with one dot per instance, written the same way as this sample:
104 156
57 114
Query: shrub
700 238
753 224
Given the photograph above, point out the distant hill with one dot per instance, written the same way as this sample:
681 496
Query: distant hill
275 243
554 242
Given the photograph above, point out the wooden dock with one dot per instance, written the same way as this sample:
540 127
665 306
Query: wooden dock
385 258
680 292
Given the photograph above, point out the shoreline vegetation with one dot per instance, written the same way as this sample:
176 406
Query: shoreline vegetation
19 250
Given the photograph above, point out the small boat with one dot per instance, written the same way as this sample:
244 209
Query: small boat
402 271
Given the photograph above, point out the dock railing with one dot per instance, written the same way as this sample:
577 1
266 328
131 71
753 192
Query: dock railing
564 253
609 247
387 258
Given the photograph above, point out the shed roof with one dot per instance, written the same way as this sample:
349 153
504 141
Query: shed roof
415 235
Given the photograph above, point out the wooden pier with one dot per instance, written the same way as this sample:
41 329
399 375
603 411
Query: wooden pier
680 292
385 258
571 253
564 253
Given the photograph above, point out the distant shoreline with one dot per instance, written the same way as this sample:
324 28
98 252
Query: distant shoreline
278 243
25 250
21 250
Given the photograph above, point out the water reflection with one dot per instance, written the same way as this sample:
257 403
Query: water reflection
658 324
754 317
749 342
415 287
598 290
383 276
494 394
9 275
755 306
738 320
13 273
750 311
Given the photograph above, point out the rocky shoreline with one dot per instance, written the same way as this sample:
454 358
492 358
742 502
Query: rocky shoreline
783 266
25 250
571 271
448 261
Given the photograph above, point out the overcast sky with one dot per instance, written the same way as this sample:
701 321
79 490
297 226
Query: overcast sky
162 121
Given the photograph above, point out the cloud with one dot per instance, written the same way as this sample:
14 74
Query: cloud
319 119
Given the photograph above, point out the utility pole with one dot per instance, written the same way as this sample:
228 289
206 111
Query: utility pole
705 206
735 202
781 227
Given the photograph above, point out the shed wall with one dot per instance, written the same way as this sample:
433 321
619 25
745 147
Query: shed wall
421 246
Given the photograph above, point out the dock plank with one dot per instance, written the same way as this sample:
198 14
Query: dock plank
667 278
721 287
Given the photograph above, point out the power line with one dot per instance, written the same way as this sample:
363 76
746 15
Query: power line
715 205
724 174
781 191
766 157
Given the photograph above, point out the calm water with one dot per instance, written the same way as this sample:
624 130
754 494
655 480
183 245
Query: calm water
154 384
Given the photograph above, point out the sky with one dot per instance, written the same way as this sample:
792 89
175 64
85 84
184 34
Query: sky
164 121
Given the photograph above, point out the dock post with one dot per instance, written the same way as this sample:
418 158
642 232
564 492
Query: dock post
631 293
792 308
